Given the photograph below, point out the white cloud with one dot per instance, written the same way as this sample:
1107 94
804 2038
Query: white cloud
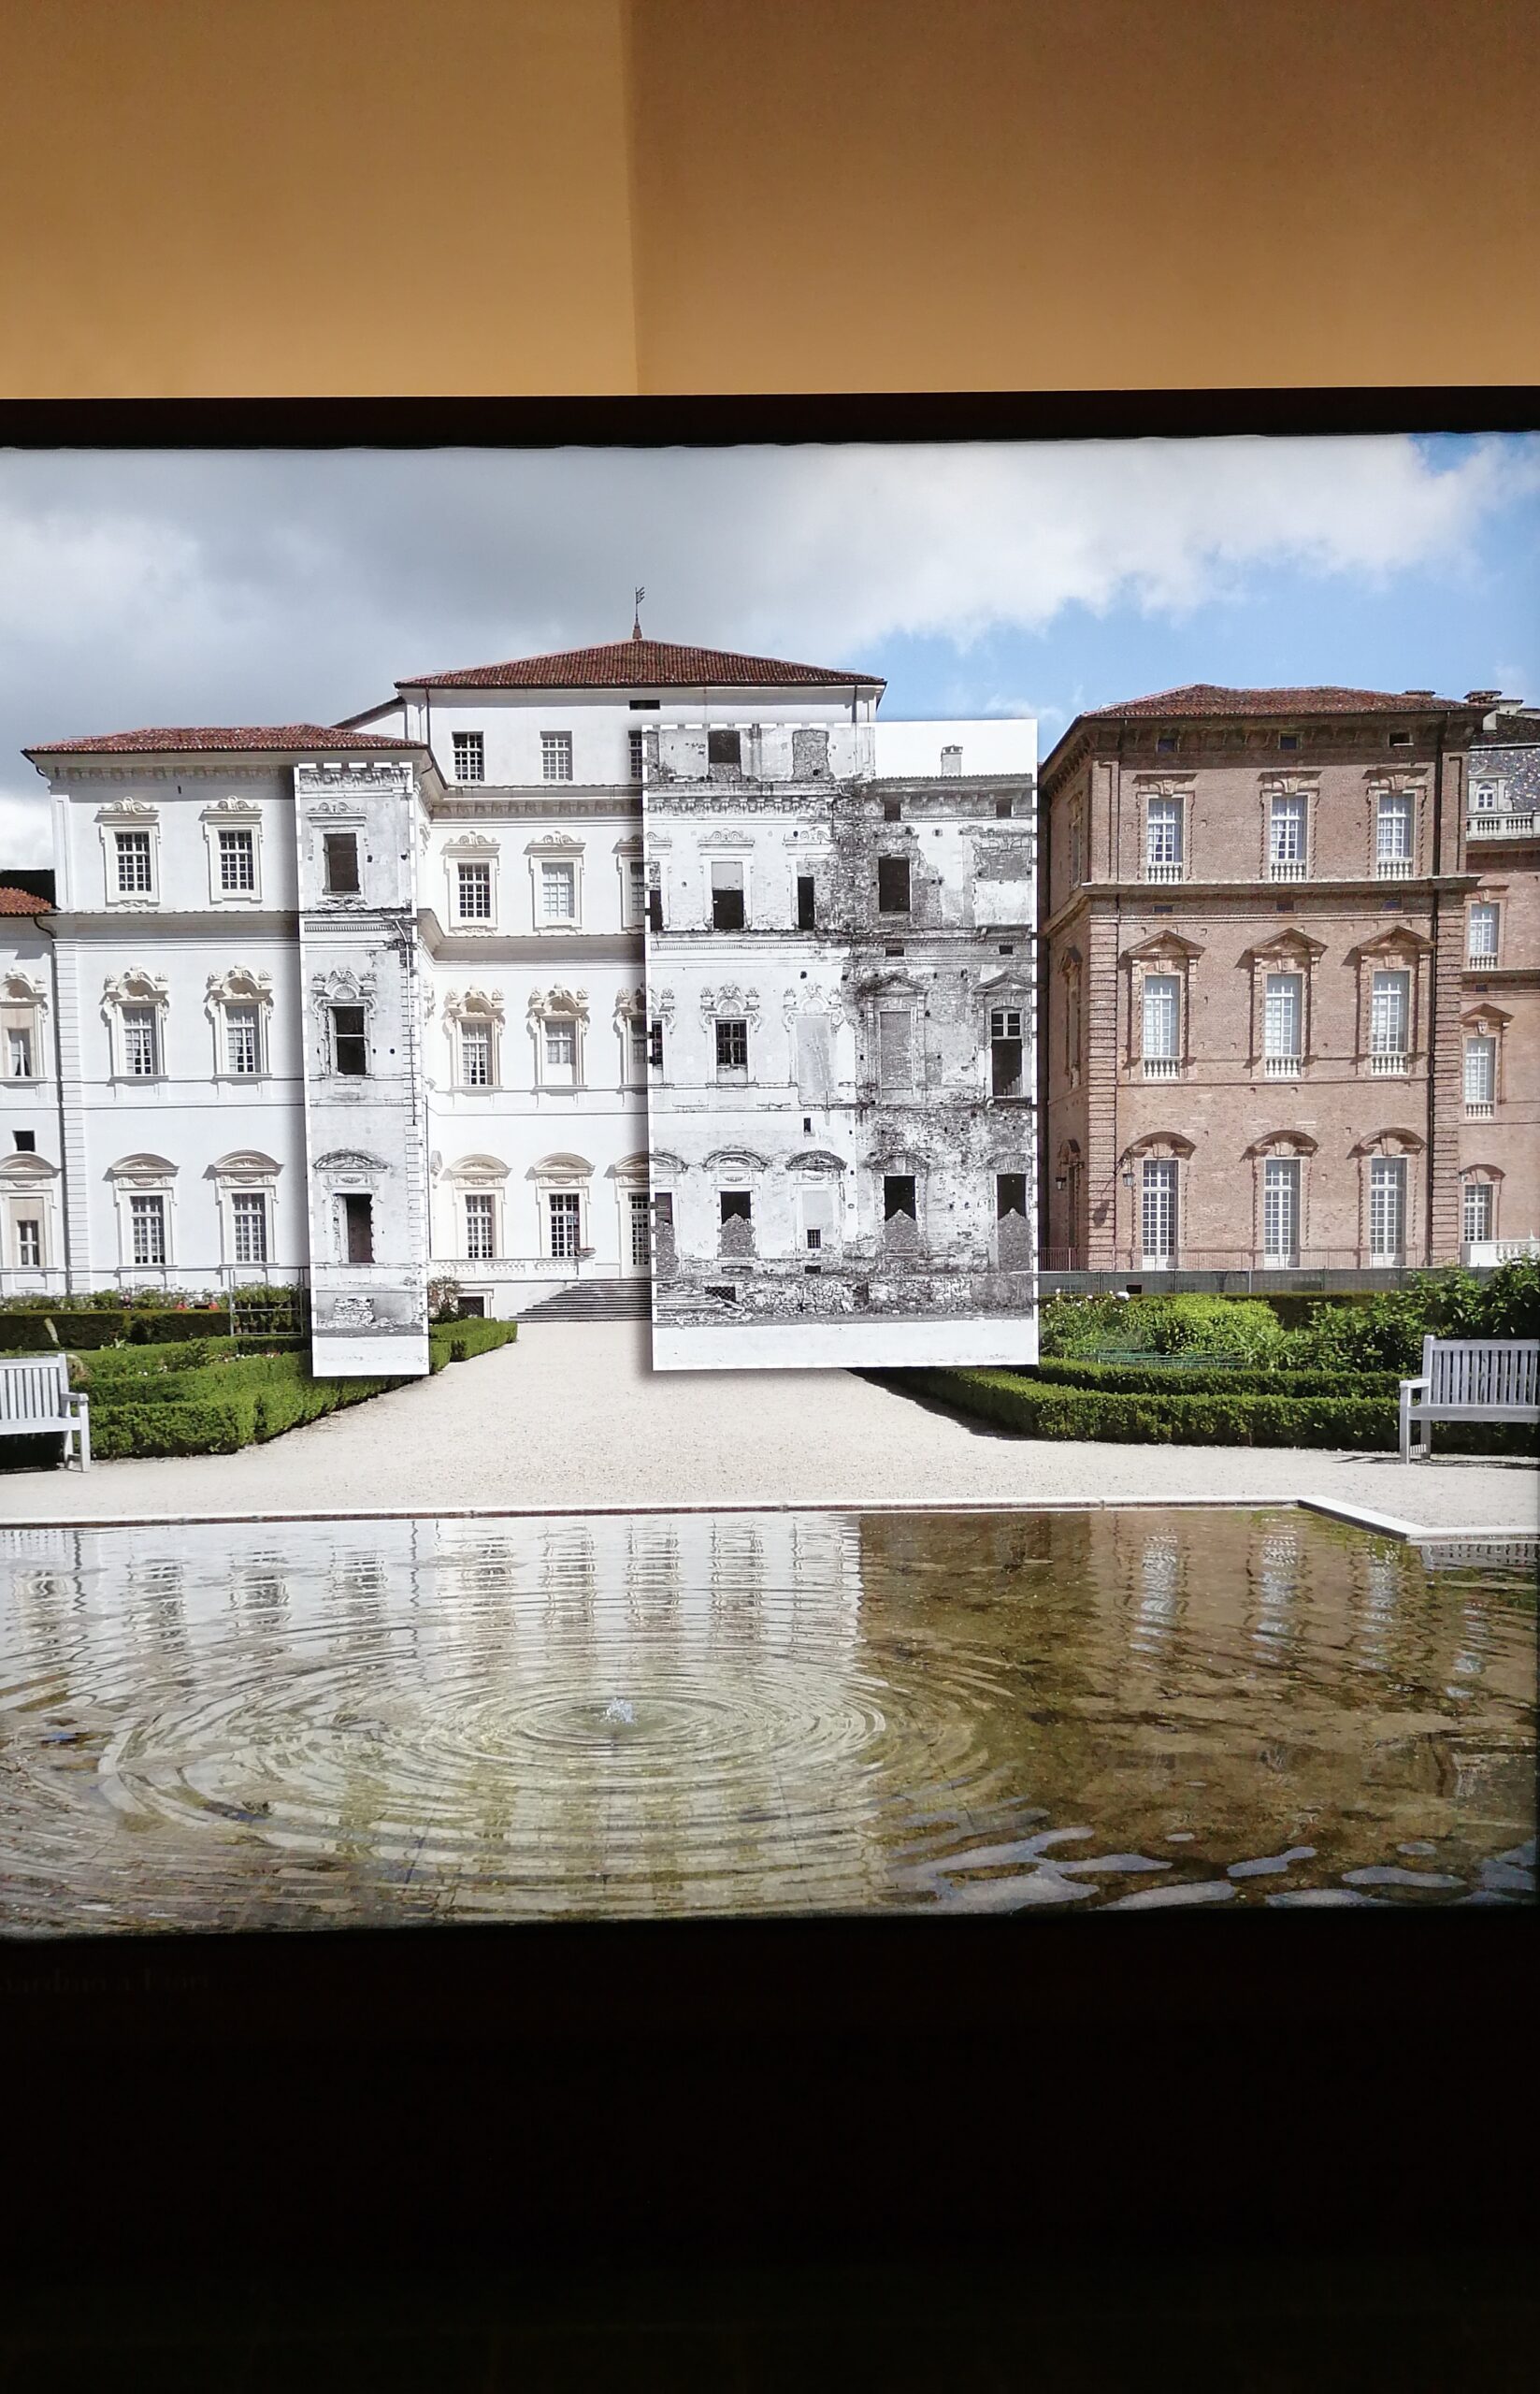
138 587
25 831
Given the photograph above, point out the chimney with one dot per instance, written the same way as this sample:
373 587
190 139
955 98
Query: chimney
1417 694
952 759
1482 697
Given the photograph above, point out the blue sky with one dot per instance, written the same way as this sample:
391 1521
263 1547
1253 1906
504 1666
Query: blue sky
201 587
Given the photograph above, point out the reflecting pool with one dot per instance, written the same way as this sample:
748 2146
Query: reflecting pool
313 1724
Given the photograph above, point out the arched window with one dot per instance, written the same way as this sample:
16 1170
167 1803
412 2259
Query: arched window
144 1191
1280 1164
1388 1196
246 1194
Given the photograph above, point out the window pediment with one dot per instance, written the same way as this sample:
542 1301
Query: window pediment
816 1160
1166 948
350 1160
243 1165
1168 1144
1485 1018
568 1005
141 1168
24 1172
1399 942
1294 1142
734 1159
730 999
1388 1143
554 846
135 987
481 1005
633 1168
1291 950
561 1170
481 1171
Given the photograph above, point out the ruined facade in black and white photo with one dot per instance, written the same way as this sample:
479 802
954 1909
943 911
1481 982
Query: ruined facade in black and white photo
840 977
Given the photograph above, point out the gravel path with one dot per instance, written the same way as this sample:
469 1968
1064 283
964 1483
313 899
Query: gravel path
570 1417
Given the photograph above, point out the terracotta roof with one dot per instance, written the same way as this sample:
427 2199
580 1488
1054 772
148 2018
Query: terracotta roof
642 665
184 740
1213 698
22 901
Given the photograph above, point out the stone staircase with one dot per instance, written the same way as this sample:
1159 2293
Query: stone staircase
613 1300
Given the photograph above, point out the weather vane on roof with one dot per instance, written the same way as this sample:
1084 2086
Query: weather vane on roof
636 612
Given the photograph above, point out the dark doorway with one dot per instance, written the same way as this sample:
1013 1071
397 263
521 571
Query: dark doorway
893 884
737 1205
899 1195
724 748
806 918
1010 1194
342 863
358 1220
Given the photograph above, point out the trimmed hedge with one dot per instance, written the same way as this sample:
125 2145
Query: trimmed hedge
1127 1379
212 1397
86 1330
1036 1410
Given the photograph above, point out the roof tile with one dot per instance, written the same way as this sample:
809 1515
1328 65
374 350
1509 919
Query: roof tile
184 740
637 664
1213 698
22 901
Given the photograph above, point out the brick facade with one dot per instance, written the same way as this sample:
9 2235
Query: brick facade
1256 988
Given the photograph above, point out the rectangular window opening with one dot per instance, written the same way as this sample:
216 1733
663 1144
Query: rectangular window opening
732 1050
241 1047
359 1228
473 890
349 1043
723 747
135 878
564 1210
1005 1051
480 1246
29 1243
727 912
1010 1194
147 1229
893 884
469 757
555 755
898 1196
341 854
807 919
737 1204
249 1221
237 860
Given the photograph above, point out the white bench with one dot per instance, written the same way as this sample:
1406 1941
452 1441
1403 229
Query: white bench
35 1396
1469 1380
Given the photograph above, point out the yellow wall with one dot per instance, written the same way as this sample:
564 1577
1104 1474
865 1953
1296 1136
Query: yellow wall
468 196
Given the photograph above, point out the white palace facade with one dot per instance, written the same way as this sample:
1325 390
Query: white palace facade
362 1007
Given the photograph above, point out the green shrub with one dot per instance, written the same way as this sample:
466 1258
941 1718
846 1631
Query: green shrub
1154 1379
1244 1326
1035 1410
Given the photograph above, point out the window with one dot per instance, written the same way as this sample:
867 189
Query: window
1484 798
349 1043
895 1048
26 1142
1480 1074
1286 838
1010 1194
1163 1011
342 854
1478 1211
807 918
724 748
147 1230
641 1229
237 861
634 744
1283 1014
142 1061
636 891
565 1213
475 1055
1390 1020
1281 1209
732 1051
1400 739
1165 743
1003 808
1386 1208
1157 1213
358 1230
29 1244
561 1046
472 1309
1076 860
736 1204
242 1049
480 1246
1005 1050
1289 738
473 892
1481 934
469 757
135 864
555 755
892 810
654 907
898 1196
248 1224
19 1054
727 896
639 1042
893 884
655 1046
1163 840
558 893
1393 835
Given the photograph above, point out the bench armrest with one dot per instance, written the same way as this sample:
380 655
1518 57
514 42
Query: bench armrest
1422 1380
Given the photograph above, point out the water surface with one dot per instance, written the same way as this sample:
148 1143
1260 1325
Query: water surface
311 1724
